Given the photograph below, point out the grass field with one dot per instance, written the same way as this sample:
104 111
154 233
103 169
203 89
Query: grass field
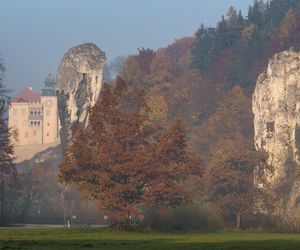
33 238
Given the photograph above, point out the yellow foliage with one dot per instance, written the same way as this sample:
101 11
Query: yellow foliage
158 108
288 24
248 31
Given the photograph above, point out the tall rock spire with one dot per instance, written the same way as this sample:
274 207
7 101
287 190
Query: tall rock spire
78 85
276 108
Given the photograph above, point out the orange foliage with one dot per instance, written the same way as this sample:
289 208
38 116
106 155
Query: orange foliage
125 161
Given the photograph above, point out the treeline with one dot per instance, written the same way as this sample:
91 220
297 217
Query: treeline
188 136
238 48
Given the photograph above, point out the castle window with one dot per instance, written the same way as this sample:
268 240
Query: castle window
31 123
39 123
39 112
34 123
35 112
31 112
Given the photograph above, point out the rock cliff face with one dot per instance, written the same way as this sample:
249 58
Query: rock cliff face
78 84
276 108
48 158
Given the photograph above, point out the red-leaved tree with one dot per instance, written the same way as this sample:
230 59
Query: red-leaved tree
124 160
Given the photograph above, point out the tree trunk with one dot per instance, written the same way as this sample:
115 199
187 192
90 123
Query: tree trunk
238 221
2 202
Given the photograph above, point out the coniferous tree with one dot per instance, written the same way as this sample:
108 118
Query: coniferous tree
7 166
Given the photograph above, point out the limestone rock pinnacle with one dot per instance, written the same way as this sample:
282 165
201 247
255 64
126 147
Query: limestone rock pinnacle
78 85
276 108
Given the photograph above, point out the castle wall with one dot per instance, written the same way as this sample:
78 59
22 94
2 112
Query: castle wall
26 119
36 123
50 119
18 119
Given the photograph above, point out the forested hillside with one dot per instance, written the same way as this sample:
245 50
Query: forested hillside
208 80
238 48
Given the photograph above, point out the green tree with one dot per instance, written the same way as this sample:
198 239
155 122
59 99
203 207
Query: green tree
256 13
7 165
204 51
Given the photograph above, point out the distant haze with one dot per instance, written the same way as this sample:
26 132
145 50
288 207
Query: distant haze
35 34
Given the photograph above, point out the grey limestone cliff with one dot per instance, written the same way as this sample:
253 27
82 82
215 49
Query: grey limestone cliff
276 108
78 85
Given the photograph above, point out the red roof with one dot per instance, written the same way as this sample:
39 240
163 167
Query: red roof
27 96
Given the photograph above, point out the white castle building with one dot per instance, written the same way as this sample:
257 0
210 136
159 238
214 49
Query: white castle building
34 116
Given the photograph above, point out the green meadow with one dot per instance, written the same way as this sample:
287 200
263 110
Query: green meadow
61 238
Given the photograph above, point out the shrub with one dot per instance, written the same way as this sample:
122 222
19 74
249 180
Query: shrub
286 224
276 223
194 217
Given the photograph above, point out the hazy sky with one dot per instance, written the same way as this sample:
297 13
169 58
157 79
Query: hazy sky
35 34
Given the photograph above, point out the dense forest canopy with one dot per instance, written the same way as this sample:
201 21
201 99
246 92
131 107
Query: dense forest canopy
238 48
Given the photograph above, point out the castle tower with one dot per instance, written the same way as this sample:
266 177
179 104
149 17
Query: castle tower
49 87
50 112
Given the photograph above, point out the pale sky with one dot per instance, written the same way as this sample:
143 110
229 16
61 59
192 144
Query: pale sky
35 34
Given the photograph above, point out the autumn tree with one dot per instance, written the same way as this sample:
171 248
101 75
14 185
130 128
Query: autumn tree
171 164
288 24
161 71
232 175
172 88
124 161
132 73
181 47
136 68
144 58
233 119
178 90
234 170
7 166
